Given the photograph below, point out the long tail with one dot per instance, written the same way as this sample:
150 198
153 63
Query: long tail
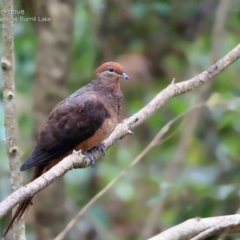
22 208
25 204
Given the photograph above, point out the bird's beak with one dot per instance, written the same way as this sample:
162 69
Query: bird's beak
125 76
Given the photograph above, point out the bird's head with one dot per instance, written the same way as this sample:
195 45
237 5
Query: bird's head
111 70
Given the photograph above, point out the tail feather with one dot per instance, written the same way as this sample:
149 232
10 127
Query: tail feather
21 210
25 204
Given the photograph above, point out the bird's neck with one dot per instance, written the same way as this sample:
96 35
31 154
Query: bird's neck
111 91
115 85
108 86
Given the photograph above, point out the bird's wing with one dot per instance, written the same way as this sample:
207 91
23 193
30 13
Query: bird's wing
71 122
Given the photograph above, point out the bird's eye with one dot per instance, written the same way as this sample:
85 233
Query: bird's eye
111 70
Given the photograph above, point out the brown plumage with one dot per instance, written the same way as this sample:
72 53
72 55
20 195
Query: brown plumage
81 122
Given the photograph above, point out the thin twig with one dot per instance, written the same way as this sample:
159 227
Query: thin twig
171 172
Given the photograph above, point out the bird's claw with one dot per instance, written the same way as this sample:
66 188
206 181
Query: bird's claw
91 157
101 148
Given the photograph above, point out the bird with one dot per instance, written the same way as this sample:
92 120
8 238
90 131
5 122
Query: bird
80 122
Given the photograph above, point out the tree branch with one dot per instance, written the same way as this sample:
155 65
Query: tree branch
7 65
77 160
201 228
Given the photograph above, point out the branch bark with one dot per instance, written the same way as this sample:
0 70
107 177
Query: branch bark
7 65
77 160
201 228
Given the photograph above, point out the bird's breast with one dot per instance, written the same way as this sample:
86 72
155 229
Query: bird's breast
100 135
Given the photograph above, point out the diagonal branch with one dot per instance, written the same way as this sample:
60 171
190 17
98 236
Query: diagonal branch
77 160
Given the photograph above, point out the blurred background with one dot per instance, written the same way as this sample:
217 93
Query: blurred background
194 172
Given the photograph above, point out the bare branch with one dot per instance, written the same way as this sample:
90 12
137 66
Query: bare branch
77 160
200 228
7 65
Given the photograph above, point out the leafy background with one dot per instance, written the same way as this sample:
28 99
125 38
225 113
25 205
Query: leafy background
195 172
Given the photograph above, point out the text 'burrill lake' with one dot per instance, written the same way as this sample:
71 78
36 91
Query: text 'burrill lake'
26 19
8 16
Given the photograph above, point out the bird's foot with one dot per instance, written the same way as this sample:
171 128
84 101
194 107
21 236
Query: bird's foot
101 148
91 157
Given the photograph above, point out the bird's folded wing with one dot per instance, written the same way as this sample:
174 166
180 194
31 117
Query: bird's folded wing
70 123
